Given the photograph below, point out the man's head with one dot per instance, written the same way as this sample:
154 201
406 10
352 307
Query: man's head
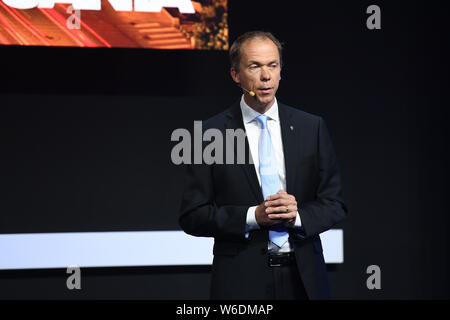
256 66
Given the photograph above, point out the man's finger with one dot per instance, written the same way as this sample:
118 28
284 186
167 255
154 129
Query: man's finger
282 216
278 196
280 202
273 196
273 205
282 209
281 193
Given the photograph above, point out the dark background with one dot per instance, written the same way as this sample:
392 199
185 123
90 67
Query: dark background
85 143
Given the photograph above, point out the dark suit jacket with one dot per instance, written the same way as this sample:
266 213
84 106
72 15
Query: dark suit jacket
216 198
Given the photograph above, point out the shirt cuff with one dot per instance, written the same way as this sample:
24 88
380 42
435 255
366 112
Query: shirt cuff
251 223
298 222
298 229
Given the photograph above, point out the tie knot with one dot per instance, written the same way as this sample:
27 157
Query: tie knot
263 120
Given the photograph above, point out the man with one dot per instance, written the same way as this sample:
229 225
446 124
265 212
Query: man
266 216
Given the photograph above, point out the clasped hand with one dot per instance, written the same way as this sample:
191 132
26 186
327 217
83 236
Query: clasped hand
280 207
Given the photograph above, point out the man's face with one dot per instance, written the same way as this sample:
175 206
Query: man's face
259 72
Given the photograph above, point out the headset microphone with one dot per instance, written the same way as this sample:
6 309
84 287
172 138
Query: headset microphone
250 92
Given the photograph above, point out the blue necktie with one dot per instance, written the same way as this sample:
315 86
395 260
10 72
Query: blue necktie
270 182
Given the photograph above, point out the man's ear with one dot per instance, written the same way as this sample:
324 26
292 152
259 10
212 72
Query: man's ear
235 76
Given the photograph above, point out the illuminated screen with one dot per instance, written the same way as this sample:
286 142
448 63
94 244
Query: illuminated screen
159 24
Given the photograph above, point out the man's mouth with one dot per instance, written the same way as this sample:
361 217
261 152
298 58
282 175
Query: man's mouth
265 90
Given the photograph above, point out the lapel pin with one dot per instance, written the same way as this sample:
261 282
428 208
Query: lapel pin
292 128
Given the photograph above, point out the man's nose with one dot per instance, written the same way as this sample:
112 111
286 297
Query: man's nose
265 74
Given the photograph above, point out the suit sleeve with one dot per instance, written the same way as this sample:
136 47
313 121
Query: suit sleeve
328 208
200 216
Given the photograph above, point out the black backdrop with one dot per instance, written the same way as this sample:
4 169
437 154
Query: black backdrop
86 142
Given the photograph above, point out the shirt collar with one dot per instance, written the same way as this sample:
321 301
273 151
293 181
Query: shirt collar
248 114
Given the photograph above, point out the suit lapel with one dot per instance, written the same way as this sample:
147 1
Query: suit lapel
235 122
290 145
